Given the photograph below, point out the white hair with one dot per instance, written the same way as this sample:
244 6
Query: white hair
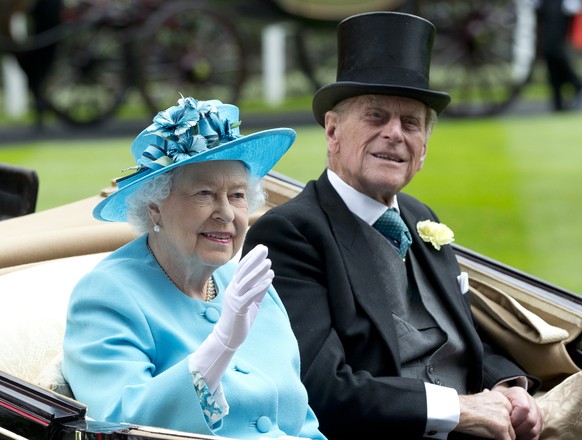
156 190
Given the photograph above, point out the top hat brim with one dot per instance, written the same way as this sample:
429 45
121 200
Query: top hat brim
328 96
259 152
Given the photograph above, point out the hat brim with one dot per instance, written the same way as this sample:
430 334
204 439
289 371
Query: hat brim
328 96
259 152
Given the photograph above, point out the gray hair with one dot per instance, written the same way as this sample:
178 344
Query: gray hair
156 190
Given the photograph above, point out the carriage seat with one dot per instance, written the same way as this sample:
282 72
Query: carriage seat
32 318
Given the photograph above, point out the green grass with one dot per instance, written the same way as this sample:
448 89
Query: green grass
508 187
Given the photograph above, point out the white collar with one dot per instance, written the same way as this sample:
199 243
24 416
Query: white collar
358 203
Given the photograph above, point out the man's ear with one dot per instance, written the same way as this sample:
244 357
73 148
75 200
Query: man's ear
332 131
423 156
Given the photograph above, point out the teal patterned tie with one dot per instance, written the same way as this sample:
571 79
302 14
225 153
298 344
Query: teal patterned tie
391 226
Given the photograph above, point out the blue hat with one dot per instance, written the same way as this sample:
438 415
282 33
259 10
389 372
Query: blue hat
191 132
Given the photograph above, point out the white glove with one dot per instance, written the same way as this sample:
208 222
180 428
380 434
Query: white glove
240 305
243 297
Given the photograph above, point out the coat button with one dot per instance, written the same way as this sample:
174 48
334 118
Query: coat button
264 424
212 314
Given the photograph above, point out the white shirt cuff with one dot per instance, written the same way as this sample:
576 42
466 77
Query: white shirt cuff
443 411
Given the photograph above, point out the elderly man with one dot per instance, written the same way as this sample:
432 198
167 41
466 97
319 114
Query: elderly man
388 345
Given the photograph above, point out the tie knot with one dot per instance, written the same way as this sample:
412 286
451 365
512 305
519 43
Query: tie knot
391 225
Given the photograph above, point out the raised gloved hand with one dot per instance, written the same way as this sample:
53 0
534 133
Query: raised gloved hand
243 297
240 305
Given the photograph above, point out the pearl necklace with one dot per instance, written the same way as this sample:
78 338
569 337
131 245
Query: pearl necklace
209 287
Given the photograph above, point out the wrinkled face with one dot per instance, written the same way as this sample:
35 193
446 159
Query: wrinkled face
377 143
204 219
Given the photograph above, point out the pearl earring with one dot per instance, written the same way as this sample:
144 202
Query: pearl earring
156 228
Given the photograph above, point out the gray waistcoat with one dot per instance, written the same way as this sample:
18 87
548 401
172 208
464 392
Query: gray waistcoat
431 347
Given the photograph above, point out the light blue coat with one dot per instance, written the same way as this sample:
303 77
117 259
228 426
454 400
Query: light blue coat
128 337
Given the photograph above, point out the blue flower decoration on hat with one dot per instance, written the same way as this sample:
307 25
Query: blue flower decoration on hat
188 129
193 132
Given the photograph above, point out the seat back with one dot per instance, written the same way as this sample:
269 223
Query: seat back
33 313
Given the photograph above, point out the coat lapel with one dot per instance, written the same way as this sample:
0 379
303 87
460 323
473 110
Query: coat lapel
358 250
442 270
440 265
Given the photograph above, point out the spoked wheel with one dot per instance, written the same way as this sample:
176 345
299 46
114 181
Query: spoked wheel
86 81
483 53
190 49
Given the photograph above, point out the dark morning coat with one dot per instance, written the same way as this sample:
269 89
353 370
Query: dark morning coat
327 279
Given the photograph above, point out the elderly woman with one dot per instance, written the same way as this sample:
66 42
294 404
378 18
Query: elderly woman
167 331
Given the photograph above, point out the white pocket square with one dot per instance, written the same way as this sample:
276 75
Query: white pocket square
463 281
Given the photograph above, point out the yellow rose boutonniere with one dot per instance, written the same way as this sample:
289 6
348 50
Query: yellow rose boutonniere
436 233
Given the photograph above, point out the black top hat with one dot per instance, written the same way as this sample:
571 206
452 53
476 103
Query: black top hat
382 53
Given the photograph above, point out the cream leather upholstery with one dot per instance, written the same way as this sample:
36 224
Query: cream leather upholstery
32 317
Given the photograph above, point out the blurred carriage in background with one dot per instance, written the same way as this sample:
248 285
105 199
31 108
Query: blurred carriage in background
83 66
